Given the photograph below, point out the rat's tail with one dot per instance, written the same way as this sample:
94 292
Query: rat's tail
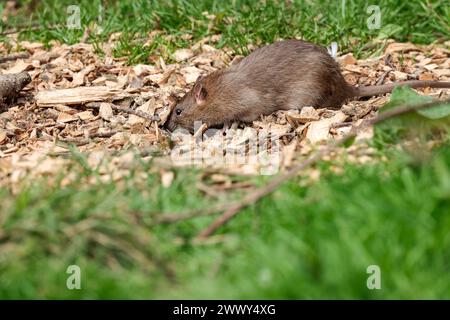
370 91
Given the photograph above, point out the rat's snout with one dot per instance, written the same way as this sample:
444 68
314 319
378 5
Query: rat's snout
175 121
171 123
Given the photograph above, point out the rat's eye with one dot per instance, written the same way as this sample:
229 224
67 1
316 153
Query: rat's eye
178 112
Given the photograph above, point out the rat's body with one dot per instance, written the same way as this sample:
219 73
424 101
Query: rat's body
284 75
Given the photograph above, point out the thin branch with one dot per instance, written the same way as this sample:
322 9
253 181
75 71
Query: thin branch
14 56
259 193
139 113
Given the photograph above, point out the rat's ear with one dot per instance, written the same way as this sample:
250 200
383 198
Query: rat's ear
200 93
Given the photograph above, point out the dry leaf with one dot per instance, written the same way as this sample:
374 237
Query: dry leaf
183 55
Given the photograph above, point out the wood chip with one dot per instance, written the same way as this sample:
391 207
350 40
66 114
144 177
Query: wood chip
427 76
79 95
347 59
85 115
142 70
65 117
191 74
3 137
442 72
105 111
19 66
401 47
430 67
400 76
148 107
183 55
78 78
167 178
307 114
319 131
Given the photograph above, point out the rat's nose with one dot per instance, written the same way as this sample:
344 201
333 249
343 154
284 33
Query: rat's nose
170 125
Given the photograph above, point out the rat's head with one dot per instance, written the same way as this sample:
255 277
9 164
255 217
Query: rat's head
192 107
204 103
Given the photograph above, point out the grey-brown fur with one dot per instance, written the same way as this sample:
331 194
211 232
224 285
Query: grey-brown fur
11 85
284 75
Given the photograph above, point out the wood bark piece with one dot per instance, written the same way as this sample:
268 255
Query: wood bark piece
80 95
12 84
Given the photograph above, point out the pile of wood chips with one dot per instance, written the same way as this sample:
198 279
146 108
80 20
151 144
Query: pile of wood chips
75 95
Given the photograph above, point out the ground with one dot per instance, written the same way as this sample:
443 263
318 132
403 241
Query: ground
89 184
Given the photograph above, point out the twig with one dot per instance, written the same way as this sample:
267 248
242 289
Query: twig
259 193
15 56
87 139
200 130
175 217
139 113
103 134
383 77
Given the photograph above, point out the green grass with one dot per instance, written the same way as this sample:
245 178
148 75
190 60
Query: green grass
304 241
240 22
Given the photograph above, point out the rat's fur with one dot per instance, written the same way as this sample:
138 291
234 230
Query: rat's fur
289 74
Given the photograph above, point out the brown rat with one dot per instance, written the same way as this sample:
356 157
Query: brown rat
285 75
